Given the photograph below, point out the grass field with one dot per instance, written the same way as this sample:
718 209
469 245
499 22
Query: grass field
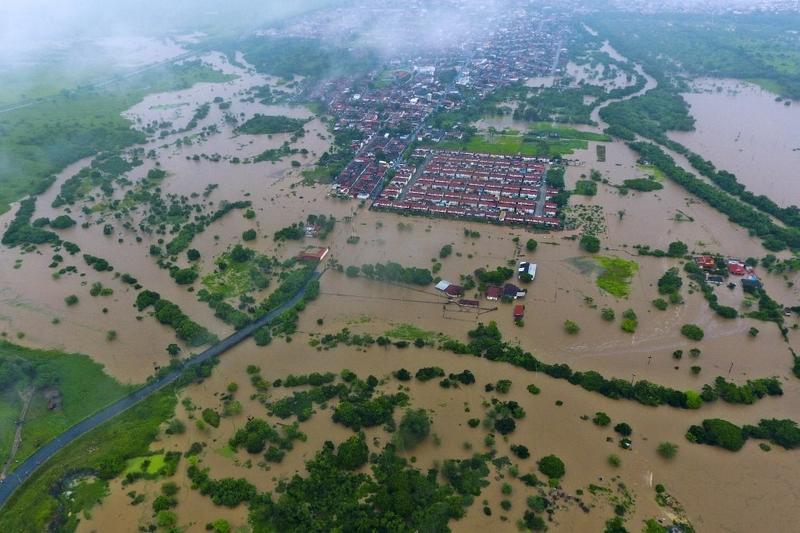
82 383
156 462
502 144
616 276
40 140
105 449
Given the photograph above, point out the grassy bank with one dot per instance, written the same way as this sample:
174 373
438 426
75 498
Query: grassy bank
104 450
40 140
81 384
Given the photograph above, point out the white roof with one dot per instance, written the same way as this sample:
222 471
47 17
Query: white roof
442 285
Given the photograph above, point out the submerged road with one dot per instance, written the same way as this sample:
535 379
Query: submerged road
32 463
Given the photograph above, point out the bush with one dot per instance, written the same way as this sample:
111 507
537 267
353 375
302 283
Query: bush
249 235
414 427
353 453
623 429
352 271
211 417
717 432
552 467
71 300
531 245
607 314
614 460
505 425
571 327
601 419
520 451
590 243
667 450
692 331
660 304
192 254
533 389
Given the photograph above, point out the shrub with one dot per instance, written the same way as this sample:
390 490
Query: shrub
623 429
249 235
660 304
211 417
571 327
520 451
352 271
71 300
607 313
590 243
667 450
505 425
533 389
753 332
717 432
692 331
414 427
531 245
614 460
601 419
552 467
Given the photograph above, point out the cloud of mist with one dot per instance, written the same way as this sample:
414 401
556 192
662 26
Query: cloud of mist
30 25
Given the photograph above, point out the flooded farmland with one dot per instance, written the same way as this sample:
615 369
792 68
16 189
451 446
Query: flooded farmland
743 129
207 161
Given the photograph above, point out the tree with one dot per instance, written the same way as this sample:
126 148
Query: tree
173 350
353 453
601 419
531 245
505 425
692 331
352 271
590 243
71 300
552 466
667 450
414 427
192 254
62 222
623 429
571 327
249 235
677 249
446 250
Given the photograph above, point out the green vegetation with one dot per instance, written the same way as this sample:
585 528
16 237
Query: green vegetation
774 237
552 466
762 48
77 386
414 427
692 331
395 496
486 341
516 144
667 450
571 327
169 313
590 243
717 432
642 184
104 451
260 124
585 188
616 276
40 140
396 273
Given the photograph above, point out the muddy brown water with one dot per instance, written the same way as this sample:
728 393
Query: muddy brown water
741 128
748 491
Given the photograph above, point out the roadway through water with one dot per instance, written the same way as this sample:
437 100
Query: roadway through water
14 480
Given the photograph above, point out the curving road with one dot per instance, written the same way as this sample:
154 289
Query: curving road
32 463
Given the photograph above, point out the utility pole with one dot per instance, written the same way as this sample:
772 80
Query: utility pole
730 369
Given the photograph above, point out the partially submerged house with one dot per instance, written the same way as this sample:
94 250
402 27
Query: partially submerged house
526 269
313 254
493 293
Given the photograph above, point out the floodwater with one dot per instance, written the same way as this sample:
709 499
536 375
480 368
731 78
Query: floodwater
721 491
741 128
30 299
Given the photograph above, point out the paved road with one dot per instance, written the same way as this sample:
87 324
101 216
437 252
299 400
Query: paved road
27 468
